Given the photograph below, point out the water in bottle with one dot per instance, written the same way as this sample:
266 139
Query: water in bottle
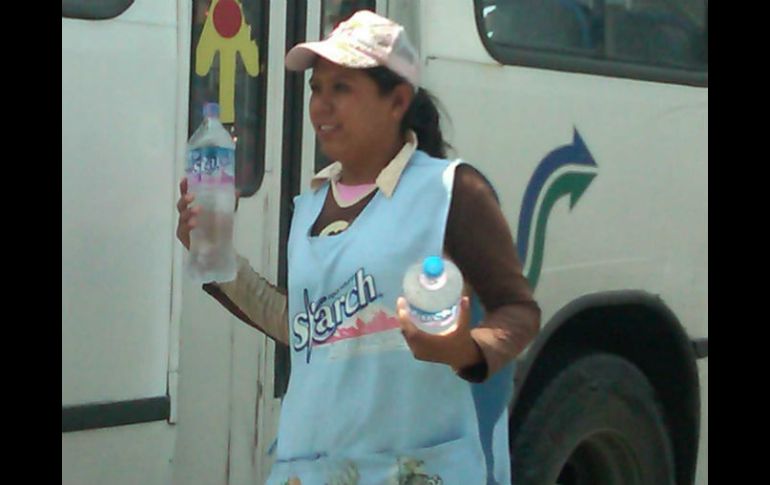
211 177
433 289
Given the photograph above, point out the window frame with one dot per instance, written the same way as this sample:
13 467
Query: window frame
94 9
575 63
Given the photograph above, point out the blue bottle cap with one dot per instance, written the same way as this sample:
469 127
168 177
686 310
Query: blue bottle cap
433 266
211 110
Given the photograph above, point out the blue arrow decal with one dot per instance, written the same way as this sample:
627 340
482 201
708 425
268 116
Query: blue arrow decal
575 154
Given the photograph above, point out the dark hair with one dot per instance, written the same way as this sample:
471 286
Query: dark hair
422 115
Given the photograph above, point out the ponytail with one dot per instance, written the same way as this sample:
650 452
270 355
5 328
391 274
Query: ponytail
422 116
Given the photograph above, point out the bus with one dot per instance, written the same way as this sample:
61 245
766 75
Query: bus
590 119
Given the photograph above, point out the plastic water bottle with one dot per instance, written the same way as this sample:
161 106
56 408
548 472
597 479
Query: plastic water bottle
211 177
433 289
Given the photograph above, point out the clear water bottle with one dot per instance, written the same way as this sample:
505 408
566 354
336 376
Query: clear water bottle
433 289
211 177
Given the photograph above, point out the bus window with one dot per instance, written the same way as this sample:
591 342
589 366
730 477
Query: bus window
559 25
229 58
657 40
657 32
335 11
91 10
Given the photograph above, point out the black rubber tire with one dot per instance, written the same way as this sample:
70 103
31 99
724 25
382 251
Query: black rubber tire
597 422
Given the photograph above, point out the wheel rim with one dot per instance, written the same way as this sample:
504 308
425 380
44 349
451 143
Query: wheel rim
604 458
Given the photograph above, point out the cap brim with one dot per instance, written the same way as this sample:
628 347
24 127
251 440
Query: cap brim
303 56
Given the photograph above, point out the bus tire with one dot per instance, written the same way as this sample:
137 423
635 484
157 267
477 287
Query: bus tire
597 422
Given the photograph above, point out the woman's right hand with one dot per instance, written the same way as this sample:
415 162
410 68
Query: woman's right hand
187 215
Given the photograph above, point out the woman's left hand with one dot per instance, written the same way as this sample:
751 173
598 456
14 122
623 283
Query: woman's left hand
456 348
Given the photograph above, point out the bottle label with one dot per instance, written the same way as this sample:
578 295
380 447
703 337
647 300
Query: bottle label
211 166
439 319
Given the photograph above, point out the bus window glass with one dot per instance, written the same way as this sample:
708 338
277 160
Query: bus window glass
91 10
655 33
558 25
668 33
335 11
228 62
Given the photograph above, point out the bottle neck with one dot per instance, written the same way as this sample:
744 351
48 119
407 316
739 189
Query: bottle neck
431 283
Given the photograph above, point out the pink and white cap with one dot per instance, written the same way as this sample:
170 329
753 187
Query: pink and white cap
364 40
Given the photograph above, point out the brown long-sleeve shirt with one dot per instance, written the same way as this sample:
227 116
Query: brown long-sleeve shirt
477 239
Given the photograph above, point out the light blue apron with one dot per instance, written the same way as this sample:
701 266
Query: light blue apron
360 409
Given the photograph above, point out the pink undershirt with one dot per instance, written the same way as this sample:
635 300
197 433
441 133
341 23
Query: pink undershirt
352 192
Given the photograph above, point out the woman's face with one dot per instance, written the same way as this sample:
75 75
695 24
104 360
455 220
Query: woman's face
353 121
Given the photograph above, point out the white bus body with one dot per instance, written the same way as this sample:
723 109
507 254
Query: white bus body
161 385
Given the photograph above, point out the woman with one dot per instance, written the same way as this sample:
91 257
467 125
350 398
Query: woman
371 398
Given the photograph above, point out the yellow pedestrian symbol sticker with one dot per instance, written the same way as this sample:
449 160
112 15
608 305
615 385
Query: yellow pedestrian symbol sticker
227 33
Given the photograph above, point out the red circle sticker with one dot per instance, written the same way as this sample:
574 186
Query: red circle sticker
227 18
